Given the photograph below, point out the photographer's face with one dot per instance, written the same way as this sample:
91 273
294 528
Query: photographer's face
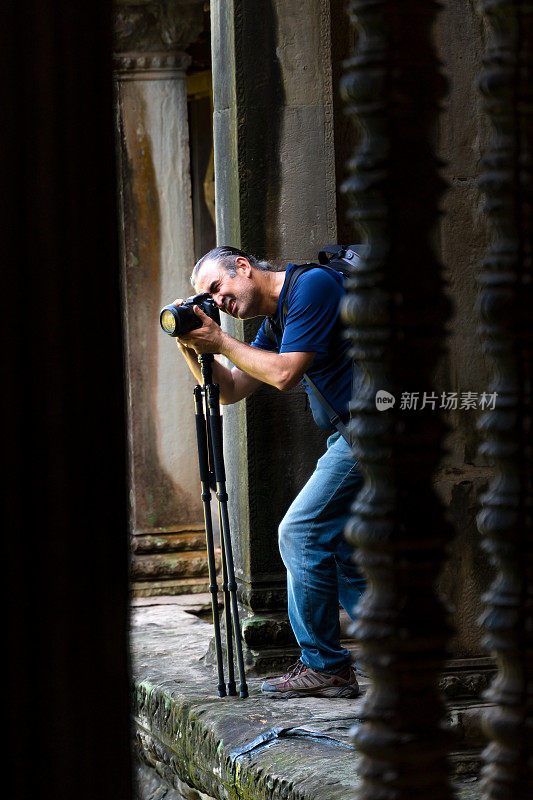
235 295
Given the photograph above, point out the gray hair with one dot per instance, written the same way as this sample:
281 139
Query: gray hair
226 258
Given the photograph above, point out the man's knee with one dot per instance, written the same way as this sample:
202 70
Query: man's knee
288 540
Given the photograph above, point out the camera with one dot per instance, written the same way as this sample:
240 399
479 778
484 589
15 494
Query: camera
177 320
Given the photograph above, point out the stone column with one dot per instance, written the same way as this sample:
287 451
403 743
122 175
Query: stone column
158 254
275 197
397 311
505 300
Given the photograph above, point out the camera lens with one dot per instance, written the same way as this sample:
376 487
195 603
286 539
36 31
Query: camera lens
177 320
168 321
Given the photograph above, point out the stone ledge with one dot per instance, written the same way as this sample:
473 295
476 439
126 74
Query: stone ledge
165 588
228 748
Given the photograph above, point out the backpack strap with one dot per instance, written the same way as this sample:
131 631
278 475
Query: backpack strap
335 420
269 325
269 329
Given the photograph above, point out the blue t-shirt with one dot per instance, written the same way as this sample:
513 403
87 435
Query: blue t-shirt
312 325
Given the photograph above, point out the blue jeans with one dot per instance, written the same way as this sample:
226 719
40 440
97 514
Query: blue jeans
320 572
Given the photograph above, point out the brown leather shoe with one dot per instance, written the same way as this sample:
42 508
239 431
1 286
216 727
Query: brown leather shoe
302 681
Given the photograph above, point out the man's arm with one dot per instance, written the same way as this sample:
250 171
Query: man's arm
234 384
282 370
252 365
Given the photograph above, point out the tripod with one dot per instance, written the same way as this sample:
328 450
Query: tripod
211 463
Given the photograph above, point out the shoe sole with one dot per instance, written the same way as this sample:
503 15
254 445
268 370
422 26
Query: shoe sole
332 691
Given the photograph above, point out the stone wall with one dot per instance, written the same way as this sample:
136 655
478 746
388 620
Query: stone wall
464 236
275 197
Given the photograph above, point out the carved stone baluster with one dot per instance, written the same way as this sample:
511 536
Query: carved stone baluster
505 305
396 311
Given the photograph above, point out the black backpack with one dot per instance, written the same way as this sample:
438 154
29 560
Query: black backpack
341 256
335 257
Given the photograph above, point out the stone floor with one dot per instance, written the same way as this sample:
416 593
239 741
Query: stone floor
192 744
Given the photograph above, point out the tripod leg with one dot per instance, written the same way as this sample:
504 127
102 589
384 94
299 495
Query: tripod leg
232 690
201 439
227 598
215 427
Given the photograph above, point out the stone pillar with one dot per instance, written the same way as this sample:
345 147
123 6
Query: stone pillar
397 311
275 197
505 326
158 254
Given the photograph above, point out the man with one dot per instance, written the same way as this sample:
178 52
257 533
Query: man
308 339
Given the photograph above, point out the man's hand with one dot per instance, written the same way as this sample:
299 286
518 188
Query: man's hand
207 339
182 347
234 384
252 366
